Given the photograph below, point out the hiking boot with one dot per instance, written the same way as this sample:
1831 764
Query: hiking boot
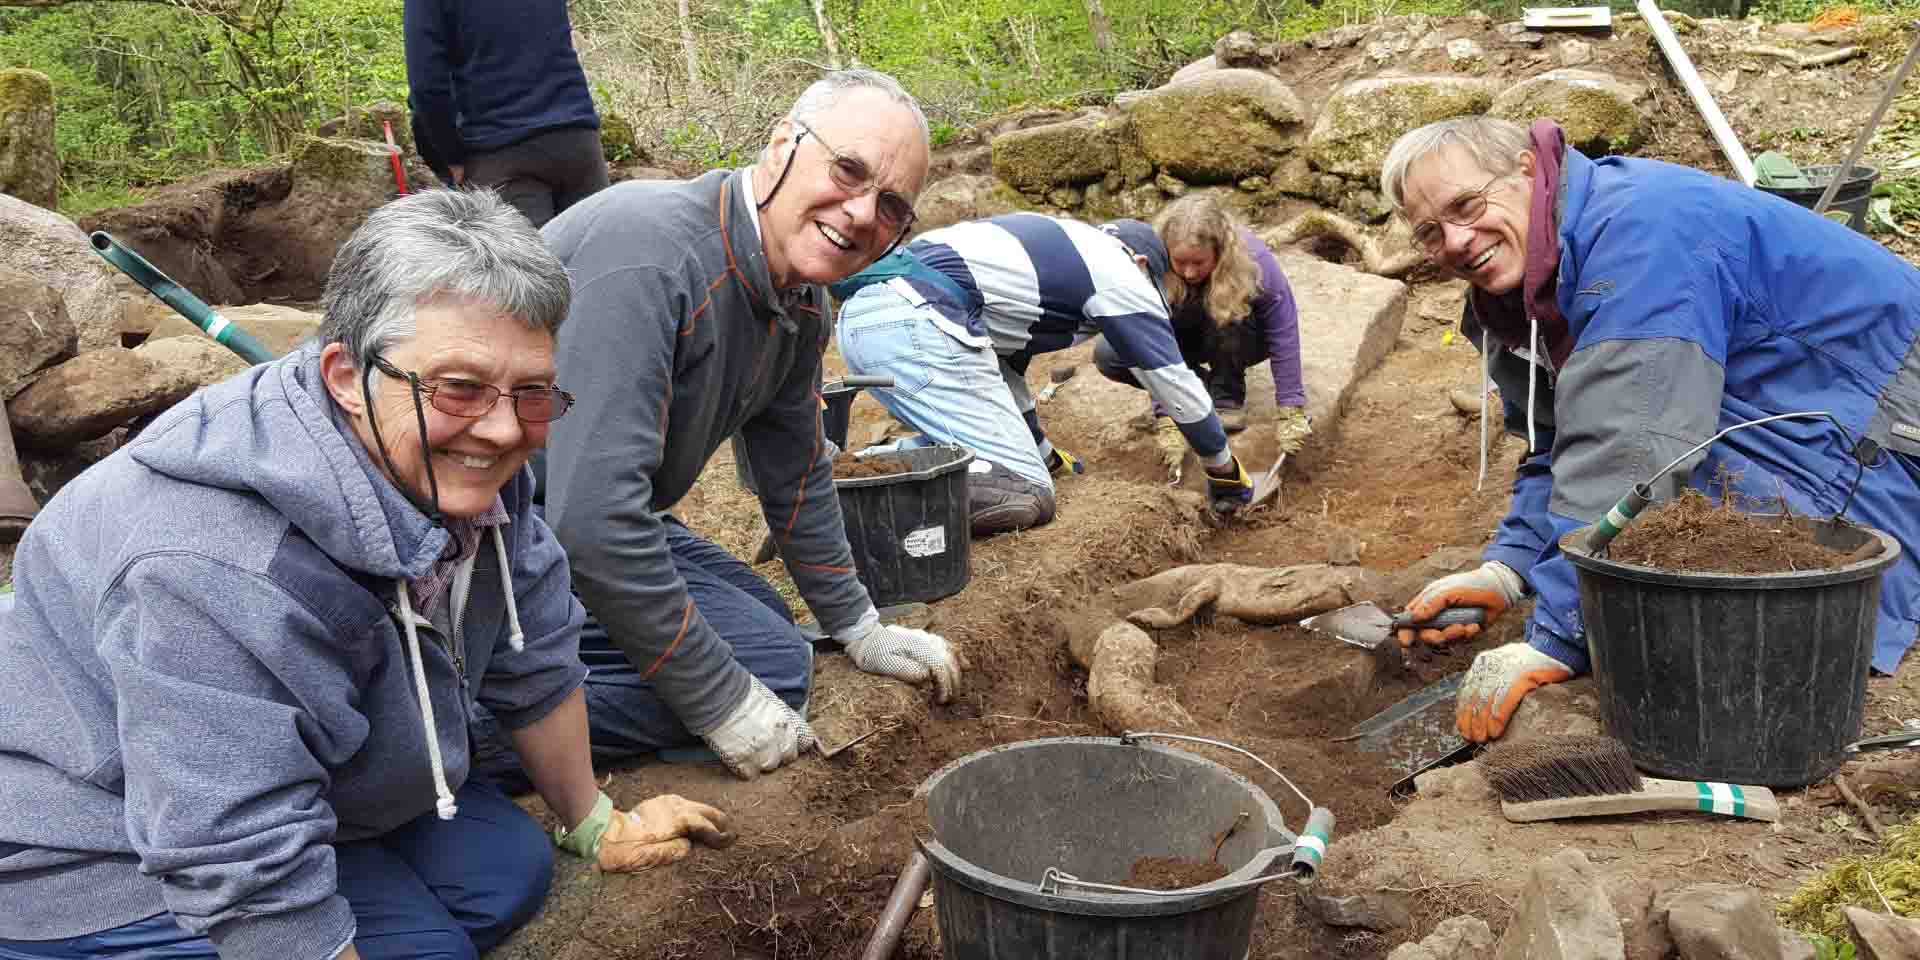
1232 419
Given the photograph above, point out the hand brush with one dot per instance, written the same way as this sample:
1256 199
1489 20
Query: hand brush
1588 776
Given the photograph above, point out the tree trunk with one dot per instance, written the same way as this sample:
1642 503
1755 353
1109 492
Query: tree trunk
826 32
693 52
1102 27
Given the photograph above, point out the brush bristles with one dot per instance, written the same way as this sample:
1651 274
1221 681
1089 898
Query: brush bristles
1567 766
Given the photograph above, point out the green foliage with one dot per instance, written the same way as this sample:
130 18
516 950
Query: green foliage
940 133
150 92
1798 11
1894 874
1827 948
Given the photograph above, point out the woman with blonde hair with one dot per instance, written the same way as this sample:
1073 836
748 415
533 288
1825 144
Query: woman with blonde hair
1231 308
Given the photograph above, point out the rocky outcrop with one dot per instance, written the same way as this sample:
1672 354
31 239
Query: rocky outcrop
1597 111
48 246
1219 127
967 196
1361 121
1072 153
35 331
29 159
88 396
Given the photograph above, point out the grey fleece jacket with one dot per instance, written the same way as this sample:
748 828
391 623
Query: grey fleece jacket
206 685
676 341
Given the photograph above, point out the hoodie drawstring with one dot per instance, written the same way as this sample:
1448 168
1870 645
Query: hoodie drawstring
444 797
1533 374
1486 390
515 638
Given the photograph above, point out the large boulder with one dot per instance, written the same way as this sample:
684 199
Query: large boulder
1218 127
1563 914
1206 64
278 328
1598 112
967 196
185 364
89 395
46 245
1361 121
1037 159
34 329
29 159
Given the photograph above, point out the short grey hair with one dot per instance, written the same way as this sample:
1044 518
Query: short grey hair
1493 143
461 243
822 94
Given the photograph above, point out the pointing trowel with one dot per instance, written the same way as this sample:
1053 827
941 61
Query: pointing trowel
1368 627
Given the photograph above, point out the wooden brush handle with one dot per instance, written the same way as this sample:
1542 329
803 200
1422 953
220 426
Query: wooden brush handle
1655 795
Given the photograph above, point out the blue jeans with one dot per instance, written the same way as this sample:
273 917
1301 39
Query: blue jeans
626 719
444 889
947 390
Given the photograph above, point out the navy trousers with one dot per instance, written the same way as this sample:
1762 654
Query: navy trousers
438 889
626 718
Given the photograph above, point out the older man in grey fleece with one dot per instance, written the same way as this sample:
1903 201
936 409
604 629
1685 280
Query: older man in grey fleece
699 314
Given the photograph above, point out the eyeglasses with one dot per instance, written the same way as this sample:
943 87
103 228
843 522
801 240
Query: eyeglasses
850 173
465 398
1465 210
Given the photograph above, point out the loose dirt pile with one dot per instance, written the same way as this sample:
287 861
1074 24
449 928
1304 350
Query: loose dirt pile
849 467
1692 534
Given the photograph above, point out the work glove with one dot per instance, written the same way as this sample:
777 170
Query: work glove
1230 488
760 734
1492 585
658 831
903 653
1291 428
1172 445
1494 687
1060 463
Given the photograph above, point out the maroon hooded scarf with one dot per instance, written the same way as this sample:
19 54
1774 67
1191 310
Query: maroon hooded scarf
1505 316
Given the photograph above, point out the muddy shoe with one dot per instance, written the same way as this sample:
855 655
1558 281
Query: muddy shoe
1232 419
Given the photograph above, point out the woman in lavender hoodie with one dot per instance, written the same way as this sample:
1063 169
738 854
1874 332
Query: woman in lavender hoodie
244 648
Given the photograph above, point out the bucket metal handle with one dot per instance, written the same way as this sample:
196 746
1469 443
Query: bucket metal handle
1640 497
1309 845
1052 880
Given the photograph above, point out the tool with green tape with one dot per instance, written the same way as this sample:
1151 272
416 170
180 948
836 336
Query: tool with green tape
1553 778
182 300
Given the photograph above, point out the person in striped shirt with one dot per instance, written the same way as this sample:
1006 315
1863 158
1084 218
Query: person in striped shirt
956 317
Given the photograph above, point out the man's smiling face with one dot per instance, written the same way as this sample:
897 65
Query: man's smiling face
1490 252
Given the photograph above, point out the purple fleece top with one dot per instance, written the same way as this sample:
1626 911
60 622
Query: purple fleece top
1278 319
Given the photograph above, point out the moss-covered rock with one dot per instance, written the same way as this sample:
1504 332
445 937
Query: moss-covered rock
618 141
29 159
1361 121
1219 126
370 123
1597 111
341 161
1075 152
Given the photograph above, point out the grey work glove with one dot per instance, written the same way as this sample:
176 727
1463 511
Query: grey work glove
903 653
1492 585
760 734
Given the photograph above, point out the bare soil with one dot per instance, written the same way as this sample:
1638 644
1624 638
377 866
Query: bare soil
848 467
1692 534
1172 873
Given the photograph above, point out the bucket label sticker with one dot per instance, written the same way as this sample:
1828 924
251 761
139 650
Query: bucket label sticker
926 542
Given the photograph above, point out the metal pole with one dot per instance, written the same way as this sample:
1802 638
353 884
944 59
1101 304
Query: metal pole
1702 100
1873 123
900 906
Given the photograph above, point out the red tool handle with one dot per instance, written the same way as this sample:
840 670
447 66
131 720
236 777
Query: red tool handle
393 154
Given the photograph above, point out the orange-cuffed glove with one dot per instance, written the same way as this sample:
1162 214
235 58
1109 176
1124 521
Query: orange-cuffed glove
1499 680
1492 585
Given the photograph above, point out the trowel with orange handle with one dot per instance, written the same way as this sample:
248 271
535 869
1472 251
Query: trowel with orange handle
1368 627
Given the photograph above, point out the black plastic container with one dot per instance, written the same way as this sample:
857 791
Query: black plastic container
1091 806
1736 678
1849 204
909 531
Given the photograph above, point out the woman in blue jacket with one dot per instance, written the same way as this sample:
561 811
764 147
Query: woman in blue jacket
244 648
1629 309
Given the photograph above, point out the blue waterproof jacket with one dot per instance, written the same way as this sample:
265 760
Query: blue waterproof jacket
1696 303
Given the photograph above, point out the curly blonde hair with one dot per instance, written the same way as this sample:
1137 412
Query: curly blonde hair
1197 220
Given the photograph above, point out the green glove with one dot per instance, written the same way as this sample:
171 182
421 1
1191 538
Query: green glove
584 840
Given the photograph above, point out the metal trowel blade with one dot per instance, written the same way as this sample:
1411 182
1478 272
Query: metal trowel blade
1363 624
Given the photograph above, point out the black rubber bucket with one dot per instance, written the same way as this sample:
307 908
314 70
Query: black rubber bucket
909 531
1091 806
1849 204
1734 678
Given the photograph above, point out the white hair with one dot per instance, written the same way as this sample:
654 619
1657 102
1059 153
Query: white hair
1494 144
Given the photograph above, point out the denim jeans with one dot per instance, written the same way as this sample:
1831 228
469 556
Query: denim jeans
947 390
444 889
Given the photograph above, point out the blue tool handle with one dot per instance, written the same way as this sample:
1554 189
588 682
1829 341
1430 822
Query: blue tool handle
1447 618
